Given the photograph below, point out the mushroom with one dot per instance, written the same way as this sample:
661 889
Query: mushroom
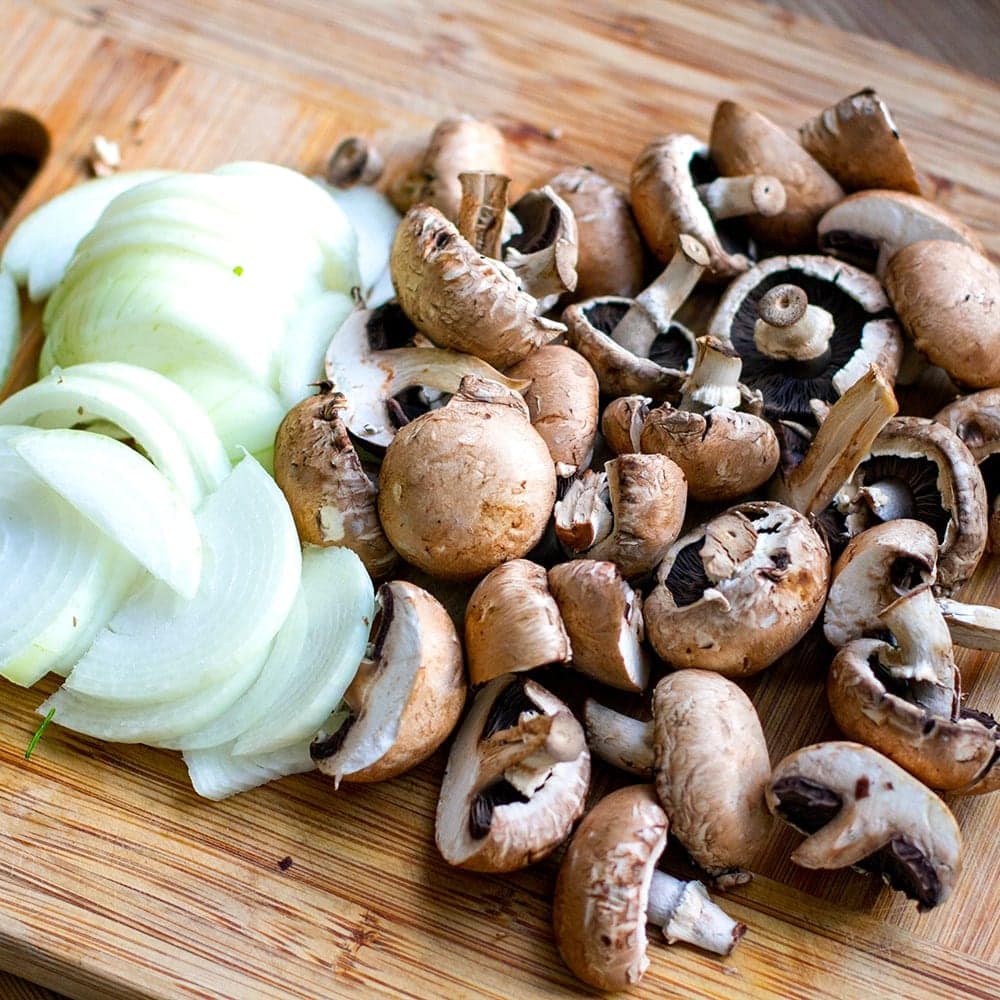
610 257
355 161
647 496
483 210
869 228
602 615
516 779
460 299
622 422
468 486
745 142
562 398
331 497
861 809
676 189
850 318
619 740
512 623
738 592
408 693
609 888
857 141
947 296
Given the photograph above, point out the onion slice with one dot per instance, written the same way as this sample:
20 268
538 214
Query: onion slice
216 774
305 346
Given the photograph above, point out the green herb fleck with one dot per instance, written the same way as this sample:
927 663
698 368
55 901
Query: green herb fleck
238 270
38 734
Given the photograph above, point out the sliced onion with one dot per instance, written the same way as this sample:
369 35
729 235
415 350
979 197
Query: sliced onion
158 647
10 322
216 774
124 495
306 343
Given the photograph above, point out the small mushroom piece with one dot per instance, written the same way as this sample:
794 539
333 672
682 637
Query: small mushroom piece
745 142
406 697
738 592
562 397
857 141
947 296
619 740
331 497
355 161
712 768
622 421
512 623
516 779
647 496
860 809
468 486
603 618
609 257
460 299
609 888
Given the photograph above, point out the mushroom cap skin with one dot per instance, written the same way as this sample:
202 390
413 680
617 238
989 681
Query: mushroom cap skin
610 257
460 299
468 486
563 404
408 698
745 142
712 768
512 623
521 829
599 907
738 592
947 296
855 803
621 423
865 332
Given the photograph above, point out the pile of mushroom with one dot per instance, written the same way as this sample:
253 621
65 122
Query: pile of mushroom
604 493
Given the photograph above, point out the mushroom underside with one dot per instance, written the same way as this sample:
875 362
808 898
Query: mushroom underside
673 349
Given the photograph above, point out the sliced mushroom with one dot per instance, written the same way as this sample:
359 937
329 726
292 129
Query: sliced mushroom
861 809
407 695
609 888
619 740
516 779
544 253
738 592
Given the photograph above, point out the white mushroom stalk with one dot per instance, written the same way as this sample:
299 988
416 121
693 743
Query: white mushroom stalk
685 912
789 328
620 740
715 378
750 194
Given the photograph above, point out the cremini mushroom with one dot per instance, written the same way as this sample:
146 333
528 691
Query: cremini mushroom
355 161
516 779
408 693
468 486
609 888
622 421
483 210
738 592
861 809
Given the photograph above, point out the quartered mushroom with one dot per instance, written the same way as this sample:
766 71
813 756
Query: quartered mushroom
408 693
738 592
609 888
629 514
860 809
516 779
675 189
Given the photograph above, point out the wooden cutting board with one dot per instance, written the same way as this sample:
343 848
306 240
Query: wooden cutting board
116 881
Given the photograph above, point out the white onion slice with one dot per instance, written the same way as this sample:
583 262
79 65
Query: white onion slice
10 322
124 495
305 346
158 647
216 774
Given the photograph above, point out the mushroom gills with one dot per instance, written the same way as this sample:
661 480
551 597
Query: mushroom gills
893 487
674 349
500 793
687 580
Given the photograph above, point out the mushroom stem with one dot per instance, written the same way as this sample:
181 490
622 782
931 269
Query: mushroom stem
619 740
715 378
842 442
889 499
482 210
788 328
974 626
654 307
750 194
354 161
685 912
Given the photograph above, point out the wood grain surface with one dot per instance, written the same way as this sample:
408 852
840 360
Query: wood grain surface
117 881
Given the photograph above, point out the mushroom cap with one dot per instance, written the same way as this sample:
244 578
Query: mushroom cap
745 142
512 623
610 258
599 908
622 421
856 803
712 768
666 203
947 296
562 402
738 592
467 486
544 253
865 332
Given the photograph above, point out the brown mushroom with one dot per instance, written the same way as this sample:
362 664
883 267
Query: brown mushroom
355 161
622 422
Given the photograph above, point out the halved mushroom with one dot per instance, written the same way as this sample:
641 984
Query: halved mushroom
516 779
629 514
609 888
407 695
861 809
738 592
